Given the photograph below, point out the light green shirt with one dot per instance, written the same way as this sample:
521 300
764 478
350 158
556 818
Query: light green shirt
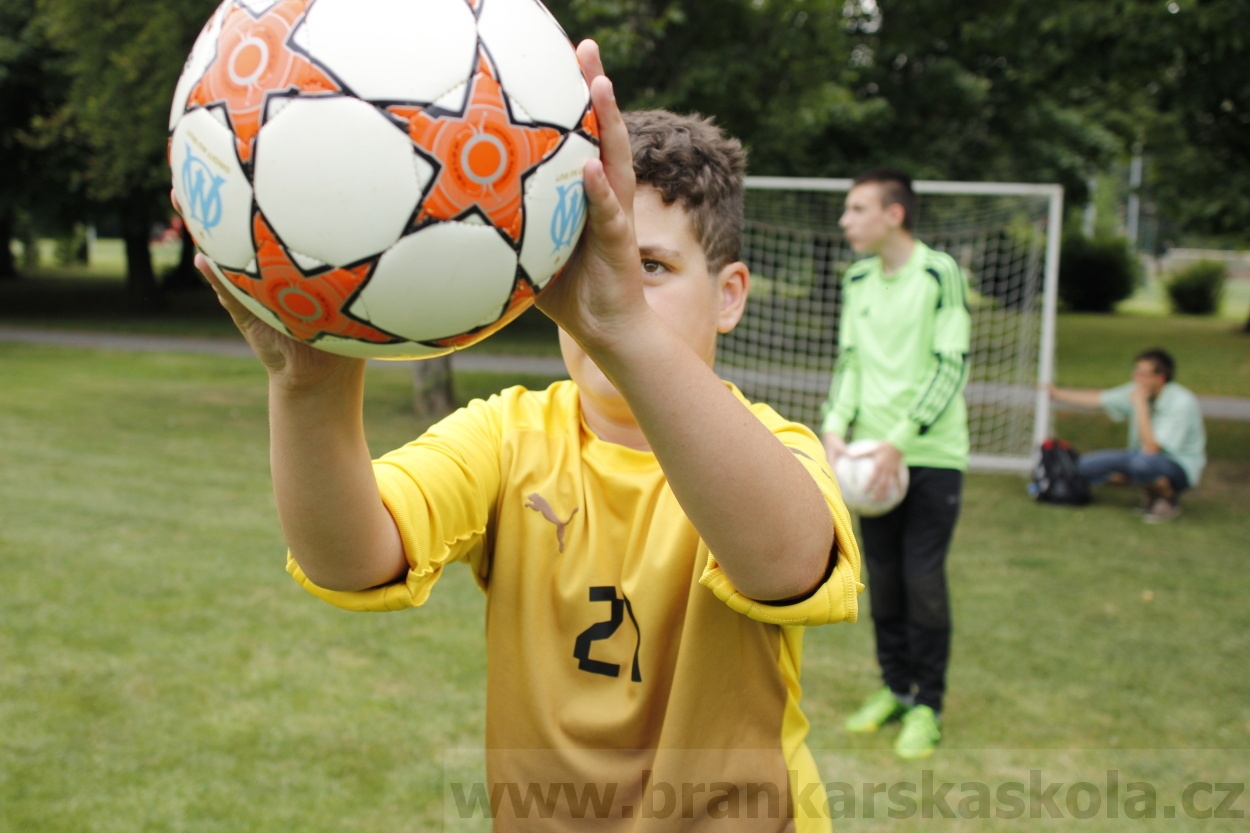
1176 419
903 343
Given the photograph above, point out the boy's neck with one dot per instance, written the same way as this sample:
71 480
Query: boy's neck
620 428
895 251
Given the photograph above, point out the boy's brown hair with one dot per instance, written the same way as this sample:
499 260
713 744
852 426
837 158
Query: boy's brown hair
1162 360
896 189
691 162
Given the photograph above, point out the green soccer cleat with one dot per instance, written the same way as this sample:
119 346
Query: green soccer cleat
880 708
920 735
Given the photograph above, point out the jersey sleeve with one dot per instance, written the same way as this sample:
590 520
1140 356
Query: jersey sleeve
1117 402
837 597
947 367
440 489
842 405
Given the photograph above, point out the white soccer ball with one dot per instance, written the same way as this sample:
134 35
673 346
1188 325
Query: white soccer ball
383 178
854 472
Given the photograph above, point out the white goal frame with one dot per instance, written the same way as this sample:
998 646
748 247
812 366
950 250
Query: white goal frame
1053 194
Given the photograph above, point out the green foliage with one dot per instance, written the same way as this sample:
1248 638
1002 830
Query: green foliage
830 87
126 58
1197 289
976 90
992 89
38 161
123 60
775 74
1095 274
1202 142
71 246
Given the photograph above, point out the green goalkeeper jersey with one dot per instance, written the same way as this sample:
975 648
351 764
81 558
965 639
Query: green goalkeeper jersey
903 359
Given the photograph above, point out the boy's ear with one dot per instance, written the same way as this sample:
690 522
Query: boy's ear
732 283
895 213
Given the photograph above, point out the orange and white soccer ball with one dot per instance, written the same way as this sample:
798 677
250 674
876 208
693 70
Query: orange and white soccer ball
383 178
854 471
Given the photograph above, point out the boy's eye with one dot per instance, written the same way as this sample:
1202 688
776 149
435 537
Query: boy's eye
651 267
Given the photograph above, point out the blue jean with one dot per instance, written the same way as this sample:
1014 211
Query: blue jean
1140 468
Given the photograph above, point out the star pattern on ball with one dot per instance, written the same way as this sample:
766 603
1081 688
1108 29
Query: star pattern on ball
309 306
254 61
485 154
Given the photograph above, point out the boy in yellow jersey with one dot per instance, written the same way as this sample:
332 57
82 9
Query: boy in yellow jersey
651 544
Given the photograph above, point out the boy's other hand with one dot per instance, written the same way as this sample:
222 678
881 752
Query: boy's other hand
291 363
886 460
835 447
600 290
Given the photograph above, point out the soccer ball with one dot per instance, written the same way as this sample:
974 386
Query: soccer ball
854 473
383 178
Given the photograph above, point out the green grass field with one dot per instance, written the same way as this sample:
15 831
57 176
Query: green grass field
161 672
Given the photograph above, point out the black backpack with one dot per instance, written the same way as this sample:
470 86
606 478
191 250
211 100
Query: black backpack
1055 479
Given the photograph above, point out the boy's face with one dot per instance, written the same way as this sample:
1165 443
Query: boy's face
867 220
1147 376
677 286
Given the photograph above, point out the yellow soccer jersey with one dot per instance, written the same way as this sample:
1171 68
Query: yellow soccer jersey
627 680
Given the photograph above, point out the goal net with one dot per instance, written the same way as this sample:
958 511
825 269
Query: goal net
1005 238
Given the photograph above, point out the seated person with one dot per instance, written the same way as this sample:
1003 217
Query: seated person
1166 441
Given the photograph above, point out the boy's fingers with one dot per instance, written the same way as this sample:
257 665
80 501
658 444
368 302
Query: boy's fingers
614 146
589 59
614 149
238 312
604 207
881 481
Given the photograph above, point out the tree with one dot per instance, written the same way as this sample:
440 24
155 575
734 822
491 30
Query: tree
432 394
126 58
36 175
1203 138
1169 77
774 73
1185 60
977 90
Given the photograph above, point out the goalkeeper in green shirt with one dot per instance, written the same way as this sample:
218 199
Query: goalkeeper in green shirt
902 364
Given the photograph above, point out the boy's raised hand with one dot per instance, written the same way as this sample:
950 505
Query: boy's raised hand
600 290
291 363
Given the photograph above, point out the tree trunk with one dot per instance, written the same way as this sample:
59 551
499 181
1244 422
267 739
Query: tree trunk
140 277
184 276
431 387
8 266
30 248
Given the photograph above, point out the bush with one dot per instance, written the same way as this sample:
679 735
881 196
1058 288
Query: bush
1095 275
1196 289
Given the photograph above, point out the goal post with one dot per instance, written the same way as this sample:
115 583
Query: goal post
1004 236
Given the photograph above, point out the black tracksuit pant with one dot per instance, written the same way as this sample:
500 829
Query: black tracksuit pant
905 553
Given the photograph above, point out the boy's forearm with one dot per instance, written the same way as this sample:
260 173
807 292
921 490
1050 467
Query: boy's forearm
1082 398
1145 428
334 521
750 499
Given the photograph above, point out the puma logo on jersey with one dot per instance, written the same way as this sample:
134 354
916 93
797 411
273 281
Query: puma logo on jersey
540 505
